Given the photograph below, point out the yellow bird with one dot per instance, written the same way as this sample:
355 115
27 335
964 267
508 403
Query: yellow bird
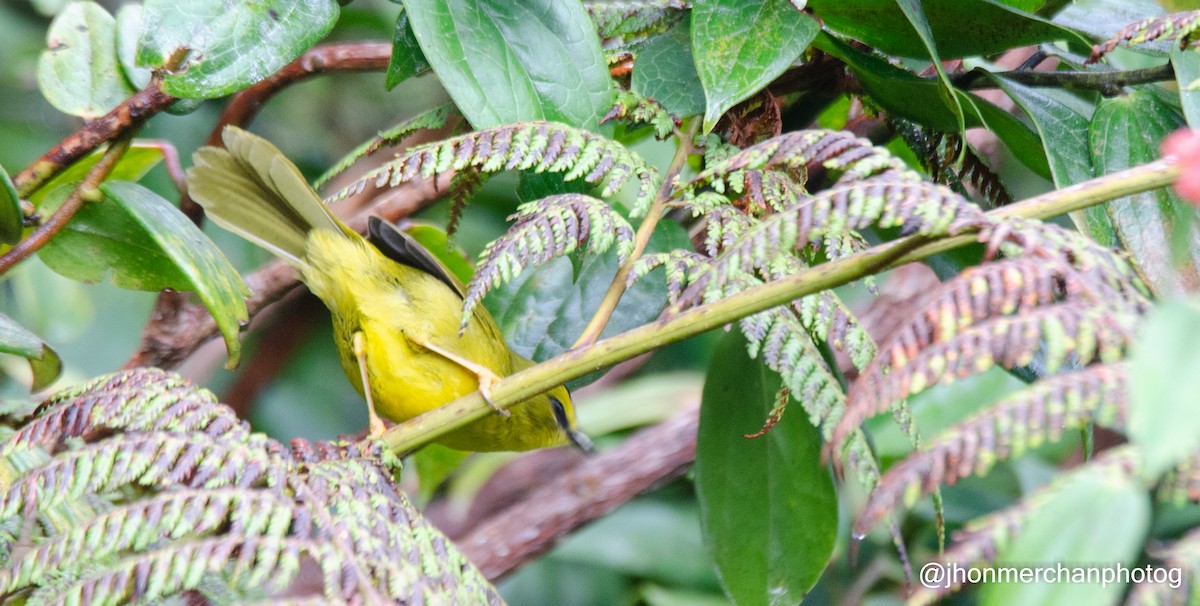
395 307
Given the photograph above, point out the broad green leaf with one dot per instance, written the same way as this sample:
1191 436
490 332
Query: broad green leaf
542 311
918 99
232 44
407 59
1164 379
767 505
11 218
43 361
140 241
1095 518
958 28
740 47
1187 73
1159 230
78 72
137 161
916 18
511 61
666 72
1064 134
129 29
436 241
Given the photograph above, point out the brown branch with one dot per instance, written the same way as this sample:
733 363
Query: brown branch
85 191
326 58
597 486
128 116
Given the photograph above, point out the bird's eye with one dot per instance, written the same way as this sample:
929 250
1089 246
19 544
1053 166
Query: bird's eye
560 413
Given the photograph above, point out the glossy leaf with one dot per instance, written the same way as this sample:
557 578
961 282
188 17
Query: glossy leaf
11 218
232 44
915 14
740 47
509 61
1100 19
43 361
666 72
905 94
545 309
958 28
78 72
1187 75
1096 518
1163 382
129 29
1064 134
140 241
1159 230
436 241
407 59
767 506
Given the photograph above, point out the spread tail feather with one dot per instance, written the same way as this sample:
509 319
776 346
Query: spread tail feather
252 190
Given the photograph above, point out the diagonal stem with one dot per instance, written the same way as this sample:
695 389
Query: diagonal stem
615 290
678 326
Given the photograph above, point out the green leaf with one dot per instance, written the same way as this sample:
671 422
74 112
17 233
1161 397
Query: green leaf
78 72
232 44
43 361
958 28
1095 518
1187 72
908 95
407 59
140 241
916 17
1158 229
434 463
740 47
666 72
129 29
1100 19
1164 379
12 220
545 309
512 61
767 506
435 240
1064 134
134 165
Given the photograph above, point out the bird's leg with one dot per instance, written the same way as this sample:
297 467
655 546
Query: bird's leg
359 343
486 377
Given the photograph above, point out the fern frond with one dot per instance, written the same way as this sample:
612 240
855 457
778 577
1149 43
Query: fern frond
1007 429
463 185
142 400
855 159
1064 333
979 541
918 206
951 161
638 109
143 524
1175 26
432 119
530 146
137 459
680 266
543 230
101 505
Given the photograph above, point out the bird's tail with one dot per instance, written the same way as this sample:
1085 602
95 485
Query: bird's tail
251 189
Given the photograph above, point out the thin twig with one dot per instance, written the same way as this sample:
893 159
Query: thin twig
129 115
1071 80
85 191
599 484
617 288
